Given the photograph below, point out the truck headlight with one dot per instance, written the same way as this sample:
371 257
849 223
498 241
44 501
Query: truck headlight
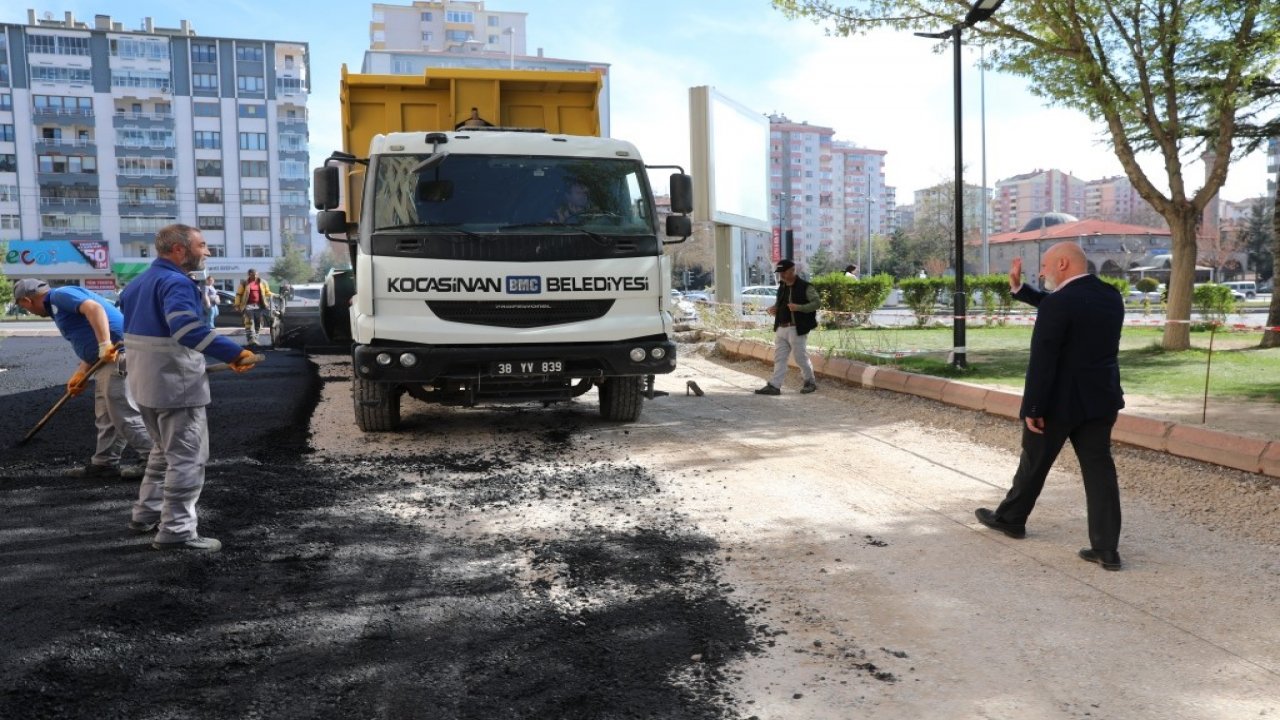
383 359
408 360
637 355
658 353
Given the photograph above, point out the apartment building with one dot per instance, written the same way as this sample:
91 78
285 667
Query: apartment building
864 204
108 134
446 27
1020 199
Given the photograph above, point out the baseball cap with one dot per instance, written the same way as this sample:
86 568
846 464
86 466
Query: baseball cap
783 264
27 287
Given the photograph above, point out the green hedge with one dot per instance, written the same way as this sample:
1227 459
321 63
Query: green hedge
851 300
1215 302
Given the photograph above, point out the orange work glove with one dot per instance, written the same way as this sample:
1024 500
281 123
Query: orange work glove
77 383
108 351
244 362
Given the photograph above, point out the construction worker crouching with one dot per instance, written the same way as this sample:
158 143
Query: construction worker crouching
94 327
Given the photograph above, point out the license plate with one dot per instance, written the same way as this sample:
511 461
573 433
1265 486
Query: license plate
528 367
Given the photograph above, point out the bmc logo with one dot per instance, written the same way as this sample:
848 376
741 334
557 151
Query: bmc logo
524 284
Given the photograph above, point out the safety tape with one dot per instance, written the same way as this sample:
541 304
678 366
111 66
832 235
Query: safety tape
1031 318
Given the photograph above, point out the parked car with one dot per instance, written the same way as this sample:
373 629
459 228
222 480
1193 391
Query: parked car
1136 297
698 296
755 298
1246 287
1267 286
299 323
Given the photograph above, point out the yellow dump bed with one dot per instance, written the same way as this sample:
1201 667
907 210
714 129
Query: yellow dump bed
442 98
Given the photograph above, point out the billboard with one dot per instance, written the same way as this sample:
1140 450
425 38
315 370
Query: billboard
47 258
729 150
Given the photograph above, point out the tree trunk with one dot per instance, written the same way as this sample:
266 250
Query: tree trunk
1271 337
1182 278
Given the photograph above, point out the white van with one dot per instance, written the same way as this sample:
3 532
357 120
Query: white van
1248 288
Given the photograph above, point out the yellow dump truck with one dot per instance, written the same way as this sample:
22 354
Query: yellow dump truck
501 250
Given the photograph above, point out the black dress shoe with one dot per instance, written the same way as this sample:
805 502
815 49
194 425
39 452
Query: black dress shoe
1108 559
988 518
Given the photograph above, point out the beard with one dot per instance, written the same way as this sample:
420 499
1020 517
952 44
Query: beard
193 262
1050 283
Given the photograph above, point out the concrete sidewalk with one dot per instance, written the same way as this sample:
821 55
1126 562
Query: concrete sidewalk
1221 447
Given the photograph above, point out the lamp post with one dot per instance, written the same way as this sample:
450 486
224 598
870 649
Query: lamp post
512 32
981 10
868 271
783 250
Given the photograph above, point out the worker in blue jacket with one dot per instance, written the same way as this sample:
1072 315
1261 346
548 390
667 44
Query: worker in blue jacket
94 327
166 338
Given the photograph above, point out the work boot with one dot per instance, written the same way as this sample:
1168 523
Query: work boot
142 528
769 389
204 544
809 386
92 471
132 472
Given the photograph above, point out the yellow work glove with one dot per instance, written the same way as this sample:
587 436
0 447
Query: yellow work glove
77 383
244 362
108 351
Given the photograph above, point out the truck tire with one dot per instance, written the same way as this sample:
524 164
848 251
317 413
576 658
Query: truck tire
377 406
621 398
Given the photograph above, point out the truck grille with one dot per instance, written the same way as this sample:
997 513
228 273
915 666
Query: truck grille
516 248
515 314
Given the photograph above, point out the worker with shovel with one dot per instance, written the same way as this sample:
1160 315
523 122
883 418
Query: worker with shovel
94 327
166 338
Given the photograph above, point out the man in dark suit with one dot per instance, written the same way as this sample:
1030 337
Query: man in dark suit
1072 392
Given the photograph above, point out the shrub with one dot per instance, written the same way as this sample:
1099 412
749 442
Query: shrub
1214 302
859 298
990 294
922 295
1120 284
1147 284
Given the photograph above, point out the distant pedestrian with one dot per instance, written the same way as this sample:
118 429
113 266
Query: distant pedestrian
211 298
1072 391
253 300
851 271
94 327
795 313
167 339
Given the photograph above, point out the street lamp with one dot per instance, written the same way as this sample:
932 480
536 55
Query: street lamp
868 271
783 250
512 32
981 10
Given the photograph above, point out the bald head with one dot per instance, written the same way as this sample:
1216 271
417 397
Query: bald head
1061 263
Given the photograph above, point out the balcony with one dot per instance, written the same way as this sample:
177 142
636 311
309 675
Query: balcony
68 204
44 144
142 120
61 116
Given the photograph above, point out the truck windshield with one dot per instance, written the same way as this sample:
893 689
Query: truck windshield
475 193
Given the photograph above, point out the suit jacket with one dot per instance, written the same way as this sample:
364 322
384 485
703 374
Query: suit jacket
1073 374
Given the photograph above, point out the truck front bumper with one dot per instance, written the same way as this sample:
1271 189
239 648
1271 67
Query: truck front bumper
425 364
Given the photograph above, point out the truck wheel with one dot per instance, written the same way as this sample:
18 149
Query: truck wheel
621 398
377 406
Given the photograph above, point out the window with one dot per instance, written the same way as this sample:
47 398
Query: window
459 35
293 197
58 44
253 141
210 222
296 224
217 250
428 36
249 52
53 163
42 73
10 222
288 85
493 21
6 132
207 139
137 137
204 109
62 104
250 110
8 192
257 250
426 17
204 52
82 223
253 197
204 81
144 224
6 101
457 16
293 170
144 167
249 83
253 168
140 48
209 168
292 141
256 223
153 79
493 39
211 196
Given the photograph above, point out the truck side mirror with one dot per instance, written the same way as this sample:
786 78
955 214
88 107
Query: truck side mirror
324 187
681 193
679 226
331 222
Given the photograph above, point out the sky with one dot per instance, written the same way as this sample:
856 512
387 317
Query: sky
887 91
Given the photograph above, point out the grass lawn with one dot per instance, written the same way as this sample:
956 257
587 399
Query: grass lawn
998 356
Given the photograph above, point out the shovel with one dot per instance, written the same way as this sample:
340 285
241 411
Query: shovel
58 405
